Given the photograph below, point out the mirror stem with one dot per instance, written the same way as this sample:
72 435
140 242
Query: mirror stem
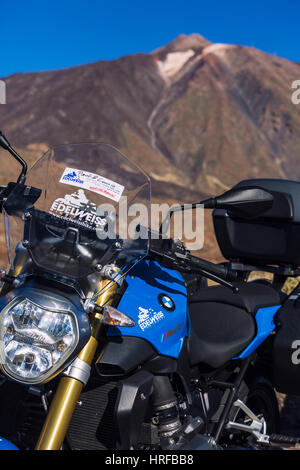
6 145
209 203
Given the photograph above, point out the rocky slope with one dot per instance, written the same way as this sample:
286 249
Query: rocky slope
196 116
192 113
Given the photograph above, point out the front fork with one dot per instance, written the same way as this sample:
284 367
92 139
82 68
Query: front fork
70 386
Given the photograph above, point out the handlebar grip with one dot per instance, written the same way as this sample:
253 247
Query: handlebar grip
222 271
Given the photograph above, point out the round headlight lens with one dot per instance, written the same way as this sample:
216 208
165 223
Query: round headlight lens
35 341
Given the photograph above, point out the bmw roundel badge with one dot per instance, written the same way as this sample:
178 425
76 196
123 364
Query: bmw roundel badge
166 302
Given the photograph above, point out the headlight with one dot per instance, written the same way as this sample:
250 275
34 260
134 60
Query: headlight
35 341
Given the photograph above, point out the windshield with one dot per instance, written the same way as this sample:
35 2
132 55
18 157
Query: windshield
94 210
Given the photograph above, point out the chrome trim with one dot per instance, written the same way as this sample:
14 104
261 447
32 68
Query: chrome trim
79 370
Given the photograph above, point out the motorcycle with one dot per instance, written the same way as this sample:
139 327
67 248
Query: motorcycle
111 342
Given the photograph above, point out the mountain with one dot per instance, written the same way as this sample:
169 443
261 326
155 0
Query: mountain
196 116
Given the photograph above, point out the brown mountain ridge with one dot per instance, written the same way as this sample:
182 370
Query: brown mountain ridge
196 116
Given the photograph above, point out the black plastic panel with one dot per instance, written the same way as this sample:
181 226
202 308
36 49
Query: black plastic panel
286 347
122 355
263 240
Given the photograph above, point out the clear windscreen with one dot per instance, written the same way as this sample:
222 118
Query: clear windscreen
94 210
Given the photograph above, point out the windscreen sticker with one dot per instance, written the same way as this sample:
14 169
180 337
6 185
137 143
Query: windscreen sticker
95 183
77 207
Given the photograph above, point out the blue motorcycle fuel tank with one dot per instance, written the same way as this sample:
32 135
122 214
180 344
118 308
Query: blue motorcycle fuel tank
156 299
7 445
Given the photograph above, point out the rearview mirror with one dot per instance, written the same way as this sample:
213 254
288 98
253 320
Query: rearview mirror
244 202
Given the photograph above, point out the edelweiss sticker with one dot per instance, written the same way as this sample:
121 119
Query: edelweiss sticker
96 183
148 317
77 207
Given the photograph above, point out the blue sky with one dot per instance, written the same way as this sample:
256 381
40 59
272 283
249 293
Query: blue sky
44 35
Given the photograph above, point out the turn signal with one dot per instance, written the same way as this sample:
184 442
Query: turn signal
112 316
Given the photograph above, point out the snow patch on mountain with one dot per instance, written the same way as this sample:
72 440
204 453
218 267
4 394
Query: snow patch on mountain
217 49
173 62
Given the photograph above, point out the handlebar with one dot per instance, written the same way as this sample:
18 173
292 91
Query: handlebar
217 269
175 255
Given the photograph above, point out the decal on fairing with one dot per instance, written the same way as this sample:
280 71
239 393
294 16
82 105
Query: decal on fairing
166 302
148 317
92 182
169 333
141 302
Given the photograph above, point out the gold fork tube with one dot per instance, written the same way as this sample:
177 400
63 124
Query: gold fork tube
63 404
69 389
60 414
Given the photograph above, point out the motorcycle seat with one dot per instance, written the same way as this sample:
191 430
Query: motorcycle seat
223 323
251 296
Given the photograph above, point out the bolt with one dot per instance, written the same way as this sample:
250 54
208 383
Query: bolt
143 396
212 442
98 267
26 216
118 245
25 243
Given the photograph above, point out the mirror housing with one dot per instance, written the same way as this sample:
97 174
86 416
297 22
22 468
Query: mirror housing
242 202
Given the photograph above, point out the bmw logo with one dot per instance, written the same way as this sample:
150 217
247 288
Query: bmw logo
166 302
